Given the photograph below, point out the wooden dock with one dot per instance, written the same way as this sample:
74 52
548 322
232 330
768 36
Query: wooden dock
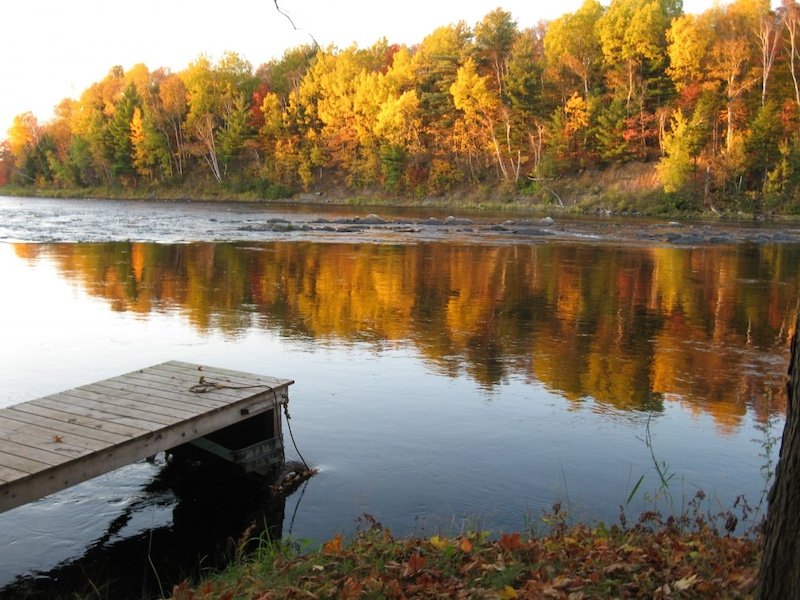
60 440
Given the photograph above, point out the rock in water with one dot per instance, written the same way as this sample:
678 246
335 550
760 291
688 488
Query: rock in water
372 219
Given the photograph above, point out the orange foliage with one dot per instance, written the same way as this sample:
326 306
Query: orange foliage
628 328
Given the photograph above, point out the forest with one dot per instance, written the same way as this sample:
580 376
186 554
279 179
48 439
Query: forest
706 105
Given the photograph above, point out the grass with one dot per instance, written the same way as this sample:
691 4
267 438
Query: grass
657 558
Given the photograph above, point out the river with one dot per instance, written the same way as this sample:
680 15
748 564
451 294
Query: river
449 374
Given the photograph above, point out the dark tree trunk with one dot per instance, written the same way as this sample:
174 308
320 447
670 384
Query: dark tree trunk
779 576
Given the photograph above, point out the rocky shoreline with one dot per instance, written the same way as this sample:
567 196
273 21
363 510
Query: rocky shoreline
624 230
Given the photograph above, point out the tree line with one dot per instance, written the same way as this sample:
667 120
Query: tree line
710 100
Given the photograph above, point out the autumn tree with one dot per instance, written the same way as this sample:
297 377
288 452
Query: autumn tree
478 105
768 36
217 100
676 166
169 116
494 38
525 95
6 162
632 38
119 134
790 17
435 65
723 52
23 135
572 44
30 147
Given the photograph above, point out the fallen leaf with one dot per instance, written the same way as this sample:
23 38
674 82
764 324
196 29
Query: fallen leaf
507 593
58 439
469 567
465 545
333 546
510 541
685 583
414 565
351 589
617 567
563 582
439 543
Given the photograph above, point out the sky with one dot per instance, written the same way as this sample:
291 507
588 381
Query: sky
55 49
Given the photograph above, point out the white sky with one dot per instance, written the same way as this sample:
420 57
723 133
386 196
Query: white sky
54 49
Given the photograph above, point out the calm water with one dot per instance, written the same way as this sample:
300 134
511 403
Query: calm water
438 384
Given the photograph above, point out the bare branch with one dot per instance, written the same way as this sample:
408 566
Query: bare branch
295 27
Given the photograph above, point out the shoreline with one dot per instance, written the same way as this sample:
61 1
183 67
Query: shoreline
354 223
628 205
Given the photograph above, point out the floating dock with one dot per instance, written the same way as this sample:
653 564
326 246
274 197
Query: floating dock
57 441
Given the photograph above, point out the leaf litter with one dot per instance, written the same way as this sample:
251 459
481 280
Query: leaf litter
651 559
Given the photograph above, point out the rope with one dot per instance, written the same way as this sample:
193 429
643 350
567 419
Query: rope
205 386
209 386
289 427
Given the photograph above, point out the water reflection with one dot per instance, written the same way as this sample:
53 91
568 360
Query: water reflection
214 513
630 328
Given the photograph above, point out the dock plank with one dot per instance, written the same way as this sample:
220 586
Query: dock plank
216 373
62 439
27 451
42 437
8 474
154 389
89 408
20 463
59 421
227 388
221 385
126 402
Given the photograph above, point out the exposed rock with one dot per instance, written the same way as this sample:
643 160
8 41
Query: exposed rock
457 221
547 221
372 219
532 231
256 227
719 239
277 220
685 240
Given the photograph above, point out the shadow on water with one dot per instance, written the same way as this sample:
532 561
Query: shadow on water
216 513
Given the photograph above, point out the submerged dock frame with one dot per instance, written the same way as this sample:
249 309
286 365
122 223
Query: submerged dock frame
57 441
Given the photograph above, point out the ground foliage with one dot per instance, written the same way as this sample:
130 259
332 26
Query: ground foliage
686 557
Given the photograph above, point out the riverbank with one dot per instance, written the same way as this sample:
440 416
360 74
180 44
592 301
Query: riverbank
653 559
629 190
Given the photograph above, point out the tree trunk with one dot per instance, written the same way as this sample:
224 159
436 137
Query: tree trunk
779 575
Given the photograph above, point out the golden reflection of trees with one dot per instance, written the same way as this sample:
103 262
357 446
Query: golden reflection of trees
628 327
